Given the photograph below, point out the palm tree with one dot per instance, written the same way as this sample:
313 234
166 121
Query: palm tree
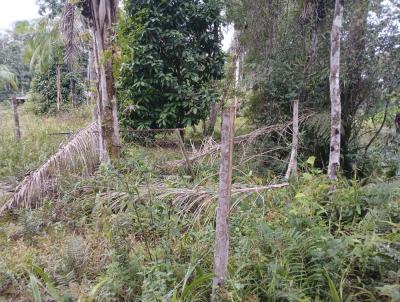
7 78
100 17
72 31
45 49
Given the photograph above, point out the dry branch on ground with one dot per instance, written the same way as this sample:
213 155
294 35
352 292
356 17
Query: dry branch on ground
79 155
196 200
210 149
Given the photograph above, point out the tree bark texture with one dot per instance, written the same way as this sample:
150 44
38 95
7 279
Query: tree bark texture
73 93
213 118
98 111
292 168
334 155
184 152
221 248
14 103
58 84
104 18
93 77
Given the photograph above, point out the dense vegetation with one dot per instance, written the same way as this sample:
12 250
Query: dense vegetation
171 55
114 237
142 225
296 65
44 94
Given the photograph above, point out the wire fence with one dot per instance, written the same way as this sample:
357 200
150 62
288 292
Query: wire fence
162 138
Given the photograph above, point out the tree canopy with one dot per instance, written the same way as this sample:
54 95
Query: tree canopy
170 55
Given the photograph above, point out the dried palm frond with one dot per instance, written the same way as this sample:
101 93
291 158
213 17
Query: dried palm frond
242 139
200 200
308 11
188 200
79 155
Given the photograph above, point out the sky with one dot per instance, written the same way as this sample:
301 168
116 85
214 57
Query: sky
17 10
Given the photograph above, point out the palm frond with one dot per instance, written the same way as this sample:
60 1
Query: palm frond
199 200
44 46
210 147
7 78
79 155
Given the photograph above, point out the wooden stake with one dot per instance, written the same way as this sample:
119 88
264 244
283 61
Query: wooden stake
58 82
292 168
221 251
184 152
334 83
16 119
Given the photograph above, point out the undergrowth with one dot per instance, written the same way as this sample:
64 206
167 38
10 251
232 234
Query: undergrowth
114 237
40 139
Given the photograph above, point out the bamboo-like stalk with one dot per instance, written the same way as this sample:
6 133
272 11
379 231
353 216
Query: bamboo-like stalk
16 119
79 155
292 167
221 246
59 95
336 108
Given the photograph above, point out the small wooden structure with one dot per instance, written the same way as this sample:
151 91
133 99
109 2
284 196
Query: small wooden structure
20 99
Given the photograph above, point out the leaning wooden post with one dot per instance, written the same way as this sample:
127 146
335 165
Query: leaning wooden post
184 153
292 168
221 248
14 103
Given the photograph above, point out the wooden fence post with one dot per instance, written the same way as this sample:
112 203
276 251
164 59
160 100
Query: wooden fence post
14 103
184 152
292 167
221 248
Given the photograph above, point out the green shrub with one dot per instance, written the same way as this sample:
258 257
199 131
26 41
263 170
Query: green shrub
43 92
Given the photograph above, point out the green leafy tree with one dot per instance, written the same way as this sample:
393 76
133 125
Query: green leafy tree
286 48
50 8
46 54
43 88
171 53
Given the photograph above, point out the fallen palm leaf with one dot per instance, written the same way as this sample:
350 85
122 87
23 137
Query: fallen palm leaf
80 154
213 148
188 200
196 200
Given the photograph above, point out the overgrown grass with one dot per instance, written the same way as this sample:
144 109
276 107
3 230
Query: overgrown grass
113 237
38 143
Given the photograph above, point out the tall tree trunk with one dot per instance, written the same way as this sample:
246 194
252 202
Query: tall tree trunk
213 119
292 168
336 33
93 77
104 157
73 93
221 251
104 17
58 84
14 102
236 62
